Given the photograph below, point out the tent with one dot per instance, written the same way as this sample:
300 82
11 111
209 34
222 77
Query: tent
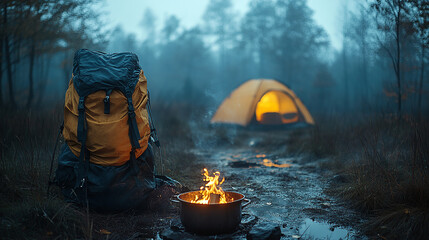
262 102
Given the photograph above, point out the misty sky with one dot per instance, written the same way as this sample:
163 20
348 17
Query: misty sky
129 13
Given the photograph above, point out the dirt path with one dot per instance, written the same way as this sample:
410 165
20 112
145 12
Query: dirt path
284 191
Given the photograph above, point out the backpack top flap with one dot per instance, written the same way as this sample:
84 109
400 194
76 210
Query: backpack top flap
94 71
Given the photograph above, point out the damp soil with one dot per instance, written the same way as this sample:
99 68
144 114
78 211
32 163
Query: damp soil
285 190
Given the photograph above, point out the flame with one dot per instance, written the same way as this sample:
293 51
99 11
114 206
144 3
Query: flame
211 187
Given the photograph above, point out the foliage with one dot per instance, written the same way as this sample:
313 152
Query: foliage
32 29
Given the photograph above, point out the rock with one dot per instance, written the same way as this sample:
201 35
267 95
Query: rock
248 219
169 234
265 231
174 234
176 225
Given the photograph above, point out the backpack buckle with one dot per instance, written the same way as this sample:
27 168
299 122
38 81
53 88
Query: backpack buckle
81 106
132 114
82 182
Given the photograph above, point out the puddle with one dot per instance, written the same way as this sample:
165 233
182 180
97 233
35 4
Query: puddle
319 230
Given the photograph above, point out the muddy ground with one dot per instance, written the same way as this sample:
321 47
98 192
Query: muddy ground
286 189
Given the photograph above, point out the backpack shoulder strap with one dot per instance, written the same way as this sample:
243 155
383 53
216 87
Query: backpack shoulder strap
81 134
133 131
81 137
133 128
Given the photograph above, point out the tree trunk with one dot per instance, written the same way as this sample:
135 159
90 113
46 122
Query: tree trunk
3 34
422 70
8 61
261 67
398 59
346 81
1 68
344 36
46 67
66 69
365 78
261 57
30 76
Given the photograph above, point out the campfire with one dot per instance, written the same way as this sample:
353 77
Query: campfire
211 192
211 210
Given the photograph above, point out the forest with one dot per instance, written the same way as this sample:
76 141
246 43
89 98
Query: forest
369 99
380 68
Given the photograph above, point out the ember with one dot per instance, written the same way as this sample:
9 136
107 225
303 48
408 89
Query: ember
211 193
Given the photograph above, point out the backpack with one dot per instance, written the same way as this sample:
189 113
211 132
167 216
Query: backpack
107 159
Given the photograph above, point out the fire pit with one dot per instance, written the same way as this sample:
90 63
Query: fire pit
211 210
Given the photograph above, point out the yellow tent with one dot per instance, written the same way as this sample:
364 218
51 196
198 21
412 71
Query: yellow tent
263 102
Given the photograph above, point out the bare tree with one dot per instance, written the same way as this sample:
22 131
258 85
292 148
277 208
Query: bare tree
421 25
7 55
34 28
360 34
2 36
297 41
345 38
257 28
392 19
219 19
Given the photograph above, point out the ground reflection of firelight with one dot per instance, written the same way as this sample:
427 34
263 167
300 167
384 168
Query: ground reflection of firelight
268 163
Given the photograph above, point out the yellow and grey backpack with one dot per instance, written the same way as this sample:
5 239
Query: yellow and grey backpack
107 160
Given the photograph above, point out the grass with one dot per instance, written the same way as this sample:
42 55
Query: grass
26 210
26 146
386 166
391 180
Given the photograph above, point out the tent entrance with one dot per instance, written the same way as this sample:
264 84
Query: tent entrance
276 107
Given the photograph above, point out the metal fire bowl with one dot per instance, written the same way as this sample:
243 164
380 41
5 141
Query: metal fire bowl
211 219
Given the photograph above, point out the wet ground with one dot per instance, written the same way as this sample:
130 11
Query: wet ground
284 191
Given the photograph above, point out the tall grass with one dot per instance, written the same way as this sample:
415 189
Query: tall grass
386 164
392 180
27 141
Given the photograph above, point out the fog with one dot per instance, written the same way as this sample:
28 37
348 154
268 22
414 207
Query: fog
381 66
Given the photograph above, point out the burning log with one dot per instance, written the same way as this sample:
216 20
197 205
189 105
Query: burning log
211 193
214 198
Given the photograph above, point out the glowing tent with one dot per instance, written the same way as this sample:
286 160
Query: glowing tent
262 102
